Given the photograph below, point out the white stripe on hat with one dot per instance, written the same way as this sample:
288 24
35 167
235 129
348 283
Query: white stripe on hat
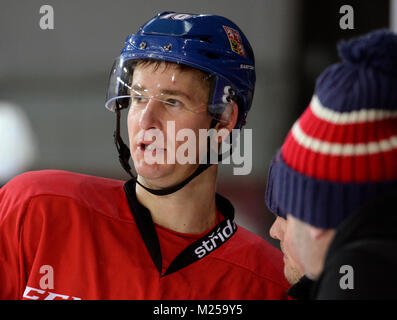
363 115
340 149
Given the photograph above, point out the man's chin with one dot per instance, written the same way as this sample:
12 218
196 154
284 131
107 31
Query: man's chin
291 273
152 173
159 176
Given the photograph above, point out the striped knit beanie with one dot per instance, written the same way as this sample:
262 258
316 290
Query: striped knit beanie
342 151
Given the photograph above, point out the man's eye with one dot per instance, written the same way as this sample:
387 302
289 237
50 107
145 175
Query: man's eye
174 103
139 99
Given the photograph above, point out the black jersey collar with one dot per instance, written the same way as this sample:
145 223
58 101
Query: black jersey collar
211 241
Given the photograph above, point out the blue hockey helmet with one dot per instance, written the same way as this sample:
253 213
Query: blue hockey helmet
206 42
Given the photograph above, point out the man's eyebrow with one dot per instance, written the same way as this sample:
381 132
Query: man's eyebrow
176 93
140 88
137 87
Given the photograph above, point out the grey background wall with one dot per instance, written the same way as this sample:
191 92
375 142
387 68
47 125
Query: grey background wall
59 77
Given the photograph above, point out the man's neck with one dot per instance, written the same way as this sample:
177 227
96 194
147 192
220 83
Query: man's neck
191 209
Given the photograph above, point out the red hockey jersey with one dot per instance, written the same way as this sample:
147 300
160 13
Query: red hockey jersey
71 236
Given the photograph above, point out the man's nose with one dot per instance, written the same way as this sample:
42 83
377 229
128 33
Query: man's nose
277 229
149 117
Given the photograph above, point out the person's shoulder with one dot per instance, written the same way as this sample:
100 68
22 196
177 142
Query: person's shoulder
58 183
249 251
361 269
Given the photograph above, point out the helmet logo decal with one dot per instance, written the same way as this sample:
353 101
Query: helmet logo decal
236 43
177 16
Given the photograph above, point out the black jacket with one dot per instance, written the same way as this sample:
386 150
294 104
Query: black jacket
366 241
302 289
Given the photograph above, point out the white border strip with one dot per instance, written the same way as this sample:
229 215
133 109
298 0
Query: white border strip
335 117
339 149
393 15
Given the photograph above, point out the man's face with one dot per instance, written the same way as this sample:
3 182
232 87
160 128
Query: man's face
311 245
281 230
188 97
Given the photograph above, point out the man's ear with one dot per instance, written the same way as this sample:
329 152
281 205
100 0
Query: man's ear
316 233
230 123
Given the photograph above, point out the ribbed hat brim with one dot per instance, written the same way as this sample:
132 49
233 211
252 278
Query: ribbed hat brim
320 203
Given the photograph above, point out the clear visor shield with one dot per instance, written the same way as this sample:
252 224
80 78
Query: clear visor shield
173 87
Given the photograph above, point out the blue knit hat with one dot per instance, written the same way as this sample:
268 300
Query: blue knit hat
342 151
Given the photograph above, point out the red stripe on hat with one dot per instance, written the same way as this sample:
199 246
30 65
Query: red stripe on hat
362 132
380 166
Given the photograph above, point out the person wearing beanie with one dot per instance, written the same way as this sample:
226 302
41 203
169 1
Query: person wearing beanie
293 270
335 177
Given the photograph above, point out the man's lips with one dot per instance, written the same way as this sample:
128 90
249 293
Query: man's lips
155 140
149 146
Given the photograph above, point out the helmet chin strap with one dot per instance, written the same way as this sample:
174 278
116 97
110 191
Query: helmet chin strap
124 156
